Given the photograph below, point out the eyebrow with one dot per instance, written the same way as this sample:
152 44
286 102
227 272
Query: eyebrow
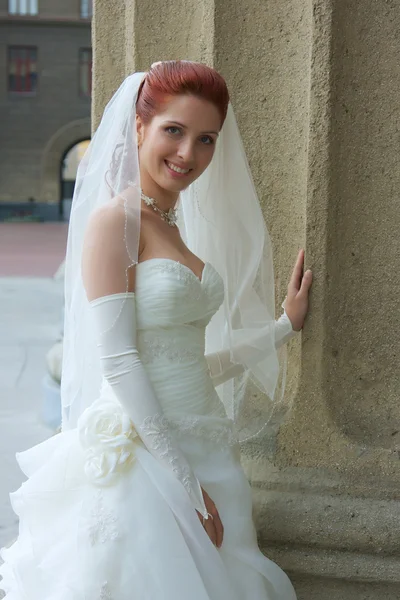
184 127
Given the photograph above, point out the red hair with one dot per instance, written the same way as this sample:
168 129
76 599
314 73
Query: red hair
176 77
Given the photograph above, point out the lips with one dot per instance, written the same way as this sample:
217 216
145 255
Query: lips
175 170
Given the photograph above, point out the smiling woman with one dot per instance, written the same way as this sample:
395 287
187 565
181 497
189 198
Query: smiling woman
174 153
180 113
169 316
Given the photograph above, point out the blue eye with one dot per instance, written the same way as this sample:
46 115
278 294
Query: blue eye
208 140
175 130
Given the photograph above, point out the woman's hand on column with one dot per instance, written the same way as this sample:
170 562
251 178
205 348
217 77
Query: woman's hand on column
213 525
296 303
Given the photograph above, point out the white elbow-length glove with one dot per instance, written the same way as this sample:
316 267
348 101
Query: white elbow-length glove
115 322
220 366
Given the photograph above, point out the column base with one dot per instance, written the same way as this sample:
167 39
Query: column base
335 540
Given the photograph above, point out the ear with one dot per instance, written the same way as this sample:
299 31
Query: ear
139 130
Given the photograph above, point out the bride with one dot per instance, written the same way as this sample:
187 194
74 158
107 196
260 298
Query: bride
169 327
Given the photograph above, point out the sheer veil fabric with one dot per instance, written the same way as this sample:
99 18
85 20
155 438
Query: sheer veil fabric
220 220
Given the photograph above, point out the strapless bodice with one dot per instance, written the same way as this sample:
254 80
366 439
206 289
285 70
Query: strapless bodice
168 294
173 308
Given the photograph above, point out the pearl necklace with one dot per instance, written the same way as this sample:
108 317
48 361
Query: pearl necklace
169 216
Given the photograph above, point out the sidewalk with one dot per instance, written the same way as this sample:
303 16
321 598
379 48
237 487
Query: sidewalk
30 320
31 249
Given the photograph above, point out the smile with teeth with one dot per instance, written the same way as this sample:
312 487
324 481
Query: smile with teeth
177 169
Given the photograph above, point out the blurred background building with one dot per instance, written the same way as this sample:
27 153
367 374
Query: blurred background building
45 97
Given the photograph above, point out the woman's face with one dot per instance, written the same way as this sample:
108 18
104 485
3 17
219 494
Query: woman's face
178 144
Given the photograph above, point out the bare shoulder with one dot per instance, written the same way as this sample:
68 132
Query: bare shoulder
109 250
111 222
110 215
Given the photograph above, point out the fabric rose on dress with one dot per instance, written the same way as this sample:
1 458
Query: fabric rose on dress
107 434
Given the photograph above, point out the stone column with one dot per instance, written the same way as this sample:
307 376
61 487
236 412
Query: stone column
109 53
315 87
129 35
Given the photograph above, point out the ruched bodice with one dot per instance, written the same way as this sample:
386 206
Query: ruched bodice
173 308
168 294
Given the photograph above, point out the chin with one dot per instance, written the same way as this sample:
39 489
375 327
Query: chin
175 186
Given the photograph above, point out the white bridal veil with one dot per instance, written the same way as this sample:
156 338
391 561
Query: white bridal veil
220 220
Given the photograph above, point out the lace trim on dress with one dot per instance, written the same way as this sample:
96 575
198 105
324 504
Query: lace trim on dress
105 592
222 434
184 274
156 428
102 525
160 427
155 347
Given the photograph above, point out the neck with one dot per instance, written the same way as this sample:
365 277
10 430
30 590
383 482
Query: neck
164 198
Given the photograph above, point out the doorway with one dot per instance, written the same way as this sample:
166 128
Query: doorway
69 167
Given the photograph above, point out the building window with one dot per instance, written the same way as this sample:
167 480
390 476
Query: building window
85 72
86 9
23 7
22 69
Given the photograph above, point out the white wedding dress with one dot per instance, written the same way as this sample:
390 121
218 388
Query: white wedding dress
93 527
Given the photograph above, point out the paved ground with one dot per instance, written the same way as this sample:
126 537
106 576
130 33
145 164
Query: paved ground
30 320
31 249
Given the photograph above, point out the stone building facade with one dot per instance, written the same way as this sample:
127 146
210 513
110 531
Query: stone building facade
315 87
45 95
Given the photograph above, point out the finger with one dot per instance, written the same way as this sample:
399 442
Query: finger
211 531
297 273
306 282
219 529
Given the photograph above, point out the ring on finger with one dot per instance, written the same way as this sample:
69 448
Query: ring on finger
204 519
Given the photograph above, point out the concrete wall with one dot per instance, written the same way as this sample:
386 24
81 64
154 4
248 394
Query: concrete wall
315 89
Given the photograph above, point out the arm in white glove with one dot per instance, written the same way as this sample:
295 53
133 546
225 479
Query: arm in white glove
115 321
220 366
109 279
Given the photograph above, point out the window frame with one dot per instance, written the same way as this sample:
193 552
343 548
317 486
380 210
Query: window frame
24 93
86 9
81 93
15 8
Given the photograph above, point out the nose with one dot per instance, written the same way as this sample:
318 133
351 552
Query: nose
186 152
